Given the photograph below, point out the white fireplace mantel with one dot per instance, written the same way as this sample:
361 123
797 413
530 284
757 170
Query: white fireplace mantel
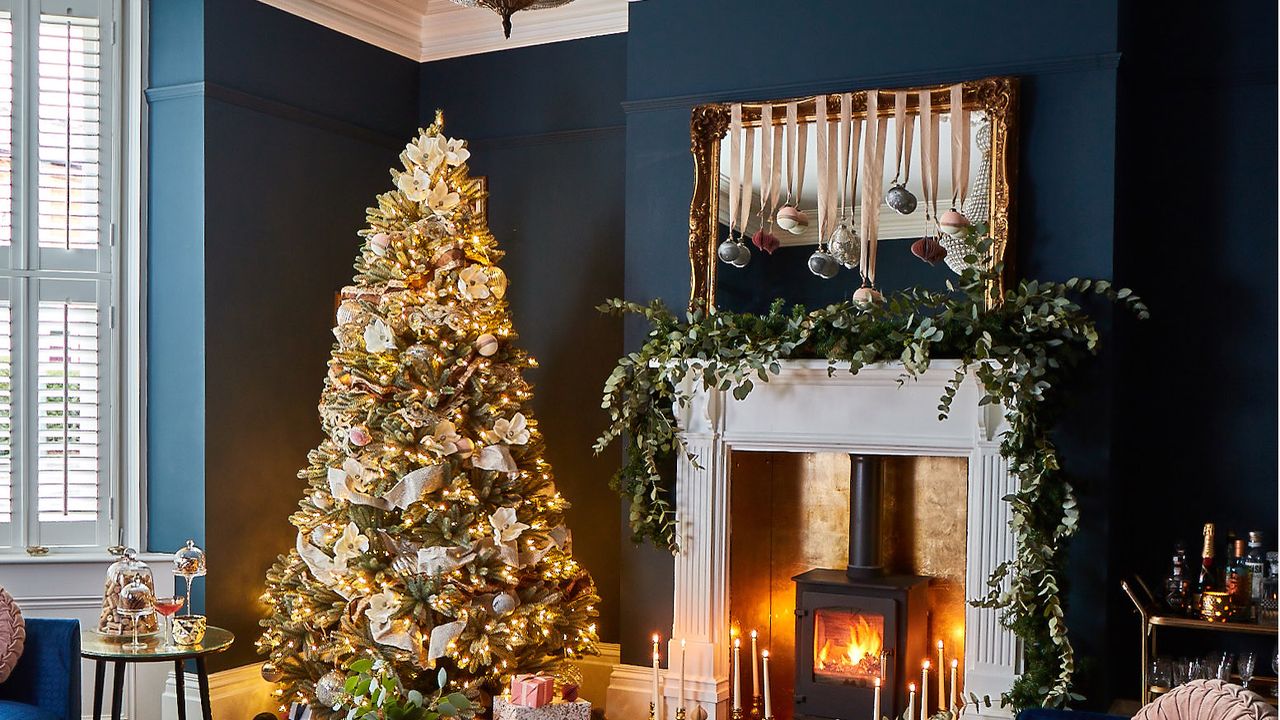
804 409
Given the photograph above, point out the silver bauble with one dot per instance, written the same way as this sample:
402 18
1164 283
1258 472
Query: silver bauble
845 246
744 256
823 265
900 198
329 688
504 603
728 251
271 673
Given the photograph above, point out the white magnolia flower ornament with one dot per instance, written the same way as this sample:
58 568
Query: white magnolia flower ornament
477 282
377 337
444 439
455 151
512 432
424 152
415 185
441 200
382 606
349 545
505 527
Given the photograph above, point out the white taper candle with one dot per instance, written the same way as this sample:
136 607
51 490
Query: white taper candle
755 662
942 686
768 703
955 693
875 707
681 706
924 690
737 674
911 701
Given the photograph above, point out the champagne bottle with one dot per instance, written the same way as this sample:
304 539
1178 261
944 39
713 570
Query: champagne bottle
1207 580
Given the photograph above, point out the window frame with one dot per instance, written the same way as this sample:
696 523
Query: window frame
122 205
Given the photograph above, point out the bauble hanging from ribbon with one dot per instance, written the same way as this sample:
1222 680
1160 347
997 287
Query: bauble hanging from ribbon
867 295
823 265
765 241
900 199
845 246
928 249
954 223
793 219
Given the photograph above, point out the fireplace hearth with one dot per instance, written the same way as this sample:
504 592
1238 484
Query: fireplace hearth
858 624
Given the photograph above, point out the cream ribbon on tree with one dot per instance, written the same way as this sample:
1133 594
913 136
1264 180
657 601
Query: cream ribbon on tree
959 147
735 170
929 137
904 128
872 186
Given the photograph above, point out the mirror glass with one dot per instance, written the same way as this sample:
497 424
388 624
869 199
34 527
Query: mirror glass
785 273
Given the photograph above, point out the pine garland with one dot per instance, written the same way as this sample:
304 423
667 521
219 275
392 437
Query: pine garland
1021 350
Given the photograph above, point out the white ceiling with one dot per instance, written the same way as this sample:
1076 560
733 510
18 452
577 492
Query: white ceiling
424 30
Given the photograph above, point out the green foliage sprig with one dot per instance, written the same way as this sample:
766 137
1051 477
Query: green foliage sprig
373 691
1021 350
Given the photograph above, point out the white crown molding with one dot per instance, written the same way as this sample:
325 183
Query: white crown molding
426 30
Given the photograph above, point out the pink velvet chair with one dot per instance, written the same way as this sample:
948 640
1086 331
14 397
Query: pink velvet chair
1207 700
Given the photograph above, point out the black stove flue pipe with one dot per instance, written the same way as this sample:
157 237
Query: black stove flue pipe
866 495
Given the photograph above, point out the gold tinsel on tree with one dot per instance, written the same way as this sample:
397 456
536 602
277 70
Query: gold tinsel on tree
431 534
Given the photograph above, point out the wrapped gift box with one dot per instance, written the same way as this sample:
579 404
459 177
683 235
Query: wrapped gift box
532 690
505 709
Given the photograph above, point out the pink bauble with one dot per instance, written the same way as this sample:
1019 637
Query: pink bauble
765 241
465 447
379 243
928 249
359 436
953 223
792 219
867 295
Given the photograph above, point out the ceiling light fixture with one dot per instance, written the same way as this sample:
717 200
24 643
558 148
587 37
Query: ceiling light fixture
506 8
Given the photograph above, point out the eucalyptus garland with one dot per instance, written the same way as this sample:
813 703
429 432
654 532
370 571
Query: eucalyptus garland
1021 349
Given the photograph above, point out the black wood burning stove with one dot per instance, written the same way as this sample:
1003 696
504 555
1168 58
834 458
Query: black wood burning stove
858 624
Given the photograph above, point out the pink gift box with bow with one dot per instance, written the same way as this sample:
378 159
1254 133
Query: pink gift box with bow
532 690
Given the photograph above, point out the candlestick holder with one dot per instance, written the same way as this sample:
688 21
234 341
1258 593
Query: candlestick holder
757 707
680 714
737 714
653 712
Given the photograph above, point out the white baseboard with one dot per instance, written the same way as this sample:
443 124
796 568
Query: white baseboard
235 694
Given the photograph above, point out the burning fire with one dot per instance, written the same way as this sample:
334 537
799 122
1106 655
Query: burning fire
859 654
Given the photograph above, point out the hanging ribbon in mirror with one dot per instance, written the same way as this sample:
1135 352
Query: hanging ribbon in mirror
953 222
928 248
820 262
790 217
845 245
872 189
733 251
764 238
899 197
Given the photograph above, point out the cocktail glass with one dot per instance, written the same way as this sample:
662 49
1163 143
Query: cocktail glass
168 606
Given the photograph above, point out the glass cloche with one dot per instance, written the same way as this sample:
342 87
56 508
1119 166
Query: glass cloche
128 570
189 562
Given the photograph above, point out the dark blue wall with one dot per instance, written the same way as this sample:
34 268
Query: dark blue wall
545 126
1066 57
269 137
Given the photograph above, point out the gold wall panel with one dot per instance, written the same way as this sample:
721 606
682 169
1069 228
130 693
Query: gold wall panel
790 513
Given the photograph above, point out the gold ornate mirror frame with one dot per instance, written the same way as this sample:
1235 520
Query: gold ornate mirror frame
997 97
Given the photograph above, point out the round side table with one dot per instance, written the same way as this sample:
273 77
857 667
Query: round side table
103 649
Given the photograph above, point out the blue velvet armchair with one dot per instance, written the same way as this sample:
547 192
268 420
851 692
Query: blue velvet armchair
46 683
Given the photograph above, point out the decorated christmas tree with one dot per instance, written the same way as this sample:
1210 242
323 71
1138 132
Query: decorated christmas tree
431 534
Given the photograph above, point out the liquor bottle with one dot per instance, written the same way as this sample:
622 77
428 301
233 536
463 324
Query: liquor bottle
1256 560
1236 580
1177 587
1208 580
1225 555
